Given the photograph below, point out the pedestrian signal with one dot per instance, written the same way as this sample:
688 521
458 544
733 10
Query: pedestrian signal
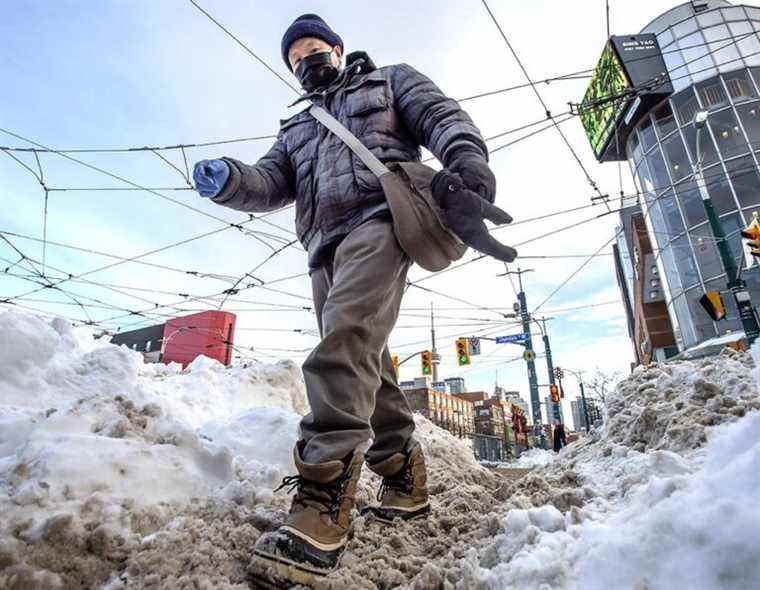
752 235
463 351
427 362
396 364
714 305
554 391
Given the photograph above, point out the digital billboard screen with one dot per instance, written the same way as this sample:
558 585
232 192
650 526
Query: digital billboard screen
630 79
599 118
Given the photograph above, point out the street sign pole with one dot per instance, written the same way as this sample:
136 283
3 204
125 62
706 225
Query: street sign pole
550 367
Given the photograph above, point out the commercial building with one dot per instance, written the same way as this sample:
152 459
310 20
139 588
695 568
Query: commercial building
594 413
447 411
711 53
182 340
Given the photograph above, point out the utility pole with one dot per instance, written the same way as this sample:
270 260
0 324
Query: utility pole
550 367
736 285
535 400
436 356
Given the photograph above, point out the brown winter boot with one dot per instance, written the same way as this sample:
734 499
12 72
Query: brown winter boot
403 493
311 540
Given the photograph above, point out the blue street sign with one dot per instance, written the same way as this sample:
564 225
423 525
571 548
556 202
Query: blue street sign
512 339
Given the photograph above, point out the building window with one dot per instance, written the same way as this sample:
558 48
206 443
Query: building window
646 132
690 199
687 268
686 106
749 115
740 88
671 213
635 152
711 94
665 120
678 161
706 252
727 133
706 146
654 294
719 190
658 171
148 344
743 173
697 56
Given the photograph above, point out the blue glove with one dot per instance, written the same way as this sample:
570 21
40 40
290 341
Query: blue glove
210 176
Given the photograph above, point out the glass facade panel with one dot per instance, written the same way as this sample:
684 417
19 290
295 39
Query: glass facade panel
646 185
719 190
691 203
685 325
706 252
704 328
712 17
671 214
711 94
685 27
706 146
736 13
687 268
654 210
678 161
721 46
686 106
747 42
739 85
727 134
665 38
753 12
744 176
663 118
635 152
674 62
658 171
674 281
697 56
646 134
749 115
732 322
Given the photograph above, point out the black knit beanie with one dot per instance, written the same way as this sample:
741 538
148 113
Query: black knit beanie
308 25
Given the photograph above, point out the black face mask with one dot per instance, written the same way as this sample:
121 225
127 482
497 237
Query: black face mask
316 71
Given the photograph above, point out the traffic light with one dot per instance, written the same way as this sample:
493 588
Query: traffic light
752 235
463 351
427 362
714 305
554 391
396 364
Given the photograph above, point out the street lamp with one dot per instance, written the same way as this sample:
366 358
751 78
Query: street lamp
736 284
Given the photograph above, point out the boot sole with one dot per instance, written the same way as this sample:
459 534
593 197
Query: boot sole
273 572
387 516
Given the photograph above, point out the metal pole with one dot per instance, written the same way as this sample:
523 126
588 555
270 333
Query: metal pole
585 408
557 407
434 353
535 400
736 284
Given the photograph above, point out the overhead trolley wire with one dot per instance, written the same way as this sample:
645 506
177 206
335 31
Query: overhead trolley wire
540 99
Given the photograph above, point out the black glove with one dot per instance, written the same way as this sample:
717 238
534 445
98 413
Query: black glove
476 176
464 212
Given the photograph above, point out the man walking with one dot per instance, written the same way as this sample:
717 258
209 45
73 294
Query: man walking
358 273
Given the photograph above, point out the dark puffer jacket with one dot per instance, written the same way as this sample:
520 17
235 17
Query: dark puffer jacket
393 110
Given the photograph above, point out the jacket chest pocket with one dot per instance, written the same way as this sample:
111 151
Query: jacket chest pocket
369 97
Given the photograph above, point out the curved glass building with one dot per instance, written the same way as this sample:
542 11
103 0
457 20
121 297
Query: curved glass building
712 53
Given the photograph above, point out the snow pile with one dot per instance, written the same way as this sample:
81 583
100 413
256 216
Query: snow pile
95 446
626 511
536 458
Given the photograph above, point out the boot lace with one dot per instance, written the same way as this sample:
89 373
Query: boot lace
401 481
326 497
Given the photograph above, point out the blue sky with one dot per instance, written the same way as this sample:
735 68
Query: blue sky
124 73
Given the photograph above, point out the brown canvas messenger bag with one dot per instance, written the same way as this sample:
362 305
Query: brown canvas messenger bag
417 219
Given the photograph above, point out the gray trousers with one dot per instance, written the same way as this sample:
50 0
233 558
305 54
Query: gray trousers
350 382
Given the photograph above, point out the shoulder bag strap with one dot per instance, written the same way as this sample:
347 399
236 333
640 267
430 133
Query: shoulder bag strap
356 146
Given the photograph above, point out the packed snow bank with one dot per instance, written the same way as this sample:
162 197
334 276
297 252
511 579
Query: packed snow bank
536 457
90 438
